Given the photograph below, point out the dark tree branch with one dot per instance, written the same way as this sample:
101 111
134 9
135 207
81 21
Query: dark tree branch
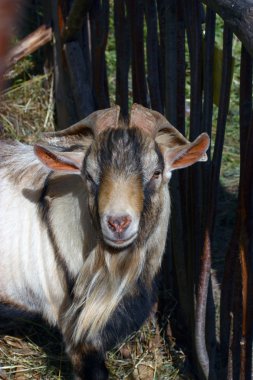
238 15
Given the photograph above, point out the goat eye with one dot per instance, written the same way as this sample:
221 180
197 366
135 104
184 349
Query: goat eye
89 178
156 174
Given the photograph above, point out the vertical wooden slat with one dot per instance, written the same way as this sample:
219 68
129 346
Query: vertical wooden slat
153 56
171 61
221 123
205 294
205 313
123 52
136 17
180 190
99 24
181 254
161 5
192 13
234 357
80 79
181 68
172 74
222 114
246 212
230 280
245 100
194 35
208 72
65 106
207 115
75 19
76 51
226 300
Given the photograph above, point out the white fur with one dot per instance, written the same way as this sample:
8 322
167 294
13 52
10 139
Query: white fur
30 275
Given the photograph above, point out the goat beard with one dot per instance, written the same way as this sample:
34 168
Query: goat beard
102 283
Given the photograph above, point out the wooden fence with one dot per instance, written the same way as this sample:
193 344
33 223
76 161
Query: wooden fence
157 42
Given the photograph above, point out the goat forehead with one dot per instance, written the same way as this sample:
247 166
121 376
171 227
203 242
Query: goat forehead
124 150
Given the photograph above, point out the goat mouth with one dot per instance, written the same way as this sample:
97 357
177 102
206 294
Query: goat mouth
120 243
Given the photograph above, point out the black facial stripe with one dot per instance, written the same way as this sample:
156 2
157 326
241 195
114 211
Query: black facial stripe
85 160
149 216
160 165
121 148
126 152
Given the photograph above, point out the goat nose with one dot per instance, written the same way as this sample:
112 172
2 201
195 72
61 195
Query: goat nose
119 223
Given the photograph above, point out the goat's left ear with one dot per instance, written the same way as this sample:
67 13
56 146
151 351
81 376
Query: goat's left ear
186 155
60 161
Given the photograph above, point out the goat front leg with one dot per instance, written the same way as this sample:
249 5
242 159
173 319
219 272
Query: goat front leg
88 364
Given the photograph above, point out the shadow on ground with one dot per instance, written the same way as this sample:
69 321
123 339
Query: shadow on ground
21 333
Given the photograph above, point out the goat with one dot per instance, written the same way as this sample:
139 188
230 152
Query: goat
84 218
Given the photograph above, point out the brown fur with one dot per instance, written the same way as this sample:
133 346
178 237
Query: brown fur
113 187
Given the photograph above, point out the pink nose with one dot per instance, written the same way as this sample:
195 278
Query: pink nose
119 223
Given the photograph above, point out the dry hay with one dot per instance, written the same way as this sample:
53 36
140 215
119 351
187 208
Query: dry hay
32 350
26 109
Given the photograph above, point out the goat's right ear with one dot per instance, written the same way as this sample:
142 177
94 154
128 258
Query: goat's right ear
68 162
186 155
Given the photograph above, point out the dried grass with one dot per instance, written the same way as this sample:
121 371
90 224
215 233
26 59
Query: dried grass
31 350
34 351
26 109
146 356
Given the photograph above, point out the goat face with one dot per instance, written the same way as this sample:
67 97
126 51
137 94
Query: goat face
123 171
126 170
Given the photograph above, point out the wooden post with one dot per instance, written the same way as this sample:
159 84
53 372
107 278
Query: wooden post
153 61
75 19
65 106
136 14
99 24
123 54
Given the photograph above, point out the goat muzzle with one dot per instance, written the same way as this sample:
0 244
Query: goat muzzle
119 223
